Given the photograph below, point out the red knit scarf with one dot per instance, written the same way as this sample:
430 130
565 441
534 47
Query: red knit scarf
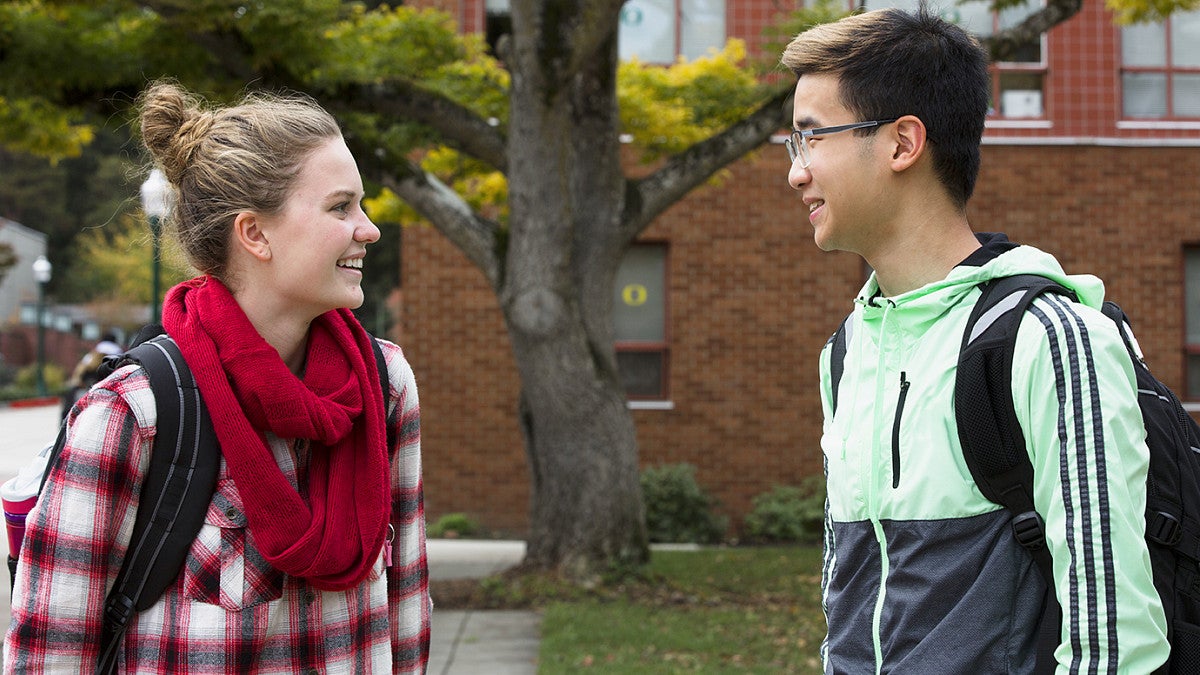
333 540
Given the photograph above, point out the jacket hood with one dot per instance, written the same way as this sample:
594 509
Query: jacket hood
998 257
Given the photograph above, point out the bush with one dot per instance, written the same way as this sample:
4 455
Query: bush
7 373
53 374
17 384
453 525
678 510
788 513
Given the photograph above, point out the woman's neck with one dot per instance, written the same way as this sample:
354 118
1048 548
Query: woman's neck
283 330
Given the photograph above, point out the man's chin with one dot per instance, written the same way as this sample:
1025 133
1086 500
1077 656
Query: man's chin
825 243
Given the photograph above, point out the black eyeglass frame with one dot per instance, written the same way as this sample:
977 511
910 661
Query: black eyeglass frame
797 143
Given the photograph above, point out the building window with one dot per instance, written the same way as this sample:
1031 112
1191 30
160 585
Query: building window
640 317
655 31
497 21
1191 312
1160 68
1019 84
658 31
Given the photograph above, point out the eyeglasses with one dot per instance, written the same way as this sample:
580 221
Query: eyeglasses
797 143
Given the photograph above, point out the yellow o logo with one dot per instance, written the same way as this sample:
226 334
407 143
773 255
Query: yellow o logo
634 295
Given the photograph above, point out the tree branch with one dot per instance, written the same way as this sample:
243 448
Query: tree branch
587 40
474 235
650 196
228 48
567 36
1003 45
458 126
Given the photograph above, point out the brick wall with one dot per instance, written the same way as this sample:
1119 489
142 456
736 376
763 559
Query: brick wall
455 339
752 301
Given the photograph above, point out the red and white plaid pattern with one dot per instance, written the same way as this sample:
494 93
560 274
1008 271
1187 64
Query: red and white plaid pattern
228 612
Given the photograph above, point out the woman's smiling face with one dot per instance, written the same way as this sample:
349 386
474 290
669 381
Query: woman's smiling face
318 240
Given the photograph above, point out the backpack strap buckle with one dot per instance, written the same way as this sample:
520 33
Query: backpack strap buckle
118 610
1029 530
1163 528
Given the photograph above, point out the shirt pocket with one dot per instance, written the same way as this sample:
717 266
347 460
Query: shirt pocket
223 566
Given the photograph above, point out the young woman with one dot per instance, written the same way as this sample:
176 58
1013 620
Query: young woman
312 554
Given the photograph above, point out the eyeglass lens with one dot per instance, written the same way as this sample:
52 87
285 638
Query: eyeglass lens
796 148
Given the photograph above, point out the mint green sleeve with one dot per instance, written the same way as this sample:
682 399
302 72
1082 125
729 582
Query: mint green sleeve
1076 397
823 370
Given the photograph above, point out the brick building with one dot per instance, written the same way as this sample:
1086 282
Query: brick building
1092 153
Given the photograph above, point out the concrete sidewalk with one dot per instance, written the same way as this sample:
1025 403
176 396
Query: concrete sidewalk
464 642
480 642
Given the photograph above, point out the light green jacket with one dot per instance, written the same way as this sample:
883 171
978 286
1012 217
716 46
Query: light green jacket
922 573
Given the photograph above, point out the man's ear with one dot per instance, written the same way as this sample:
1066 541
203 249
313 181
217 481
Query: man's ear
910 141
248 234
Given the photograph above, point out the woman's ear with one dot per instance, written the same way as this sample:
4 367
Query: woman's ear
249 235
910 142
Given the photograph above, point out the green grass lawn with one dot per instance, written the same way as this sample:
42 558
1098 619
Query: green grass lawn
722 610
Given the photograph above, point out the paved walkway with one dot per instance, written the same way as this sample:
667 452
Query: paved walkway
464 642
480 642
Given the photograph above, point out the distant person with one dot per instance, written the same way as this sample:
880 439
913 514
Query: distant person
87 371
312 556
922 573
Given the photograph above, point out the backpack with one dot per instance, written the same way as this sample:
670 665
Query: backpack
184 462
994 450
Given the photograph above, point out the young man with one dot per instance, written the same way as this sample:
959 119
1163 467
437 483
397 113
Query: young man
922 573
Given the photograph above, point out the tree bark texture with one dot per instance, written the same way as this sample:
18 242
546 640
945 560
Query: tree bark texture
566 197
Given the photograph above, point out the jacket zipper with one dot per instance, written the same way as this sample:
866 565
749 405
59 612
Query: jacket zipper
896 431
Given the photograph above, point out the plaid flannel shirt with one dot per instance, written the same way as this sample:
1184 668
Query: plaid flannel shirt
229 611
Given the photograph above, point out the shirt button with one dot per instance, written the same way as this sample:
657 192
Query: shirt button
231 513
308 598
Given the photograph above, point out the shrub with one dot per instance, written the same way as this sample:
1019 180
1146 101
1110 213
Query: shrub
788 513
678 510
52 374
452 525
7 373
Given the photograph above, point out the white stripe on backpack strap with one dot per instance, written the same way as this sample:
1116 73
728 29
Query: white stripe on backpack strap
1132 339
992 315
1155 394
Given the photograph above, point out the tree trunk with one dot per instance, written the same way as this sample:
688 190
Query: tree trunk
586 506
566 195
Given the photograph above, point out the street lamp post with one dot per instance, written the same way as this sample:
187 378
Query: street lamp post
41 273
156 202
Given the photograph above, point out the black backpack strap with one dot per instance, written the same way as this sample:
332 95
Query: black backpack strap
990 433
988 429
385 383
175 495
837 358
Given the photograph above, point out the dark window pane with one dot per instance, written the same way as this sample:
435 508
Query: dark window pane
641 373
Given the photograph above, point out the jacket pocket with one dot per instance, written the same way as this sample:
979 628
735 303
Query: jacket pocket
223 566
904 383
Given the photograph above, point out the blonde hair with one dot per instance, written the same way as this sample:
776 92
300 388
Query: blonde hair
222 161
